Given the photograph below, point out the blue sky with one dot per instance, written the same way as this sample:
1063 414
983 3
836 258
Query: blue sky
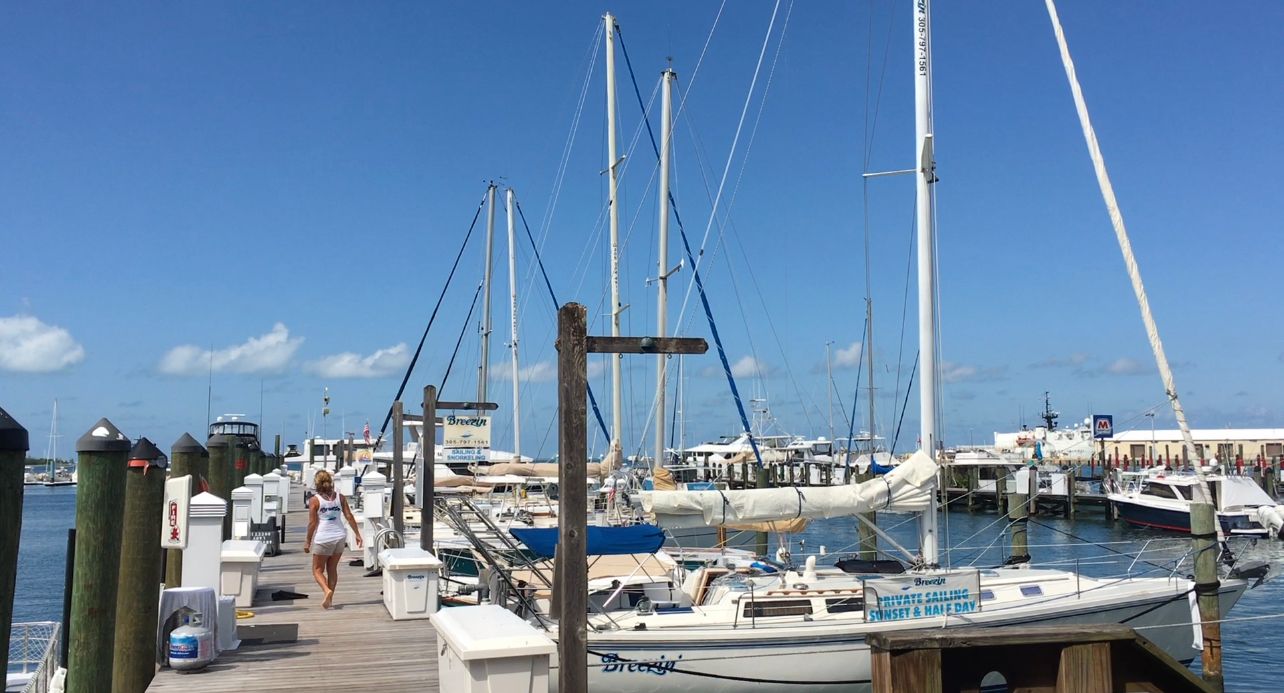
287 184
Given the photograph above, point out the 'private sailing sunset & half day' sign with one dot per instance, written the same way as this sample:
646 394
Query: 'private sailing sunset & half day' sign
922 596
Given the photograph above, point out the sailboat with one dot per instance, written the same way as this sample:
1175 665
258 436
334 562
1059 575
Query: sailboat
51 454
757 628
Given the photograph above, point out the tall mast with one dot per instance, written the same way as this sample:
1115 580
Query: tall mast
617 396
512 302
868 348
926 217
662 279
484 367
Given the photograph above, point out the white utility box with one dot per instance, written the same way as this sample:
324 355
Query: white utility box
239 577
488 649
409 583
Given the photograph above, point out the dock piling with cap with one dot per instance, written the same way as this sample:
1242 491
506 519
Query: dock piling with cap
100 503
13 454
220 481
186 456
137 599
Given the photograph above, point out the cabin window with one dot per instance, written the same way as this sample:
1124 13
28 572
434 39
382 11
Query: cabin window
1159 491
987 595
777 607
844 605
1274 449
1031 591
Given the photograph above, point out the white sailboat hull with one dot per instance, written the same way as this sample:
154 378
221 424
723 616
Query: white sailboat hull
780 657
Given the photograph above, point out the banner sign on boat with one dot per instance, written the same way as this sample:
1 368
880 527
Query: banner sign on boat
1103 426
907 597
178 492
465 432
466 455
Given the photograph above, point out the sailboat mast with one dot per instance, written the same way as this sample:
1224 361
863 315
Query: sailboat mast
662 279
512 303
484 367
617 395
926 218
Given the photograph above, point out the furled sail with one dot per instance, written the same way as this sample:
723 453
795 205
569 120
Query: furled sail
906 488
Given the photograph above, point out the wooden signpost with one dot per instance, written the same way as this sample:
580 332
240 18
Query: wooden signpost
573 347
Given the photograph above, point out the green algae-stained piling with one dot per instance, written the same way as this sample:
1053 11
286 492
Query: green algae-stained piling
13 453
140 569
220 448
100 503
186 456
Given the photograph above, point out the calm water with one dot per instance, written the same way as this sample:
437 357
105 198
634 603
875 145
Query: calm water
49 512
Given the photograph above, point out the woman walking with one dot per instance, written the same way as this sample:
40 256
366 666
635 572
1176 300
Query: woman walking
326 512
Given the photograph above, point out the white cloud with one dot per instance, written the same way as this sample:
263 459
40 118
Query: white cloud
541 372
1126 366
596 368
382 363
957 372
965 372
848 357
28 345
749 367
267 353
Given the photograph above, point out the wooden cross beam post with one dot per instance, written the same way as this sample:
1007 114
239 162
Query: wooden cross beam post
571 576
428 444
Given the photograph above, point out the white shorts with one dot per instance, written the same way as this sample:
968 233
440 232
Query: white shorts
328 548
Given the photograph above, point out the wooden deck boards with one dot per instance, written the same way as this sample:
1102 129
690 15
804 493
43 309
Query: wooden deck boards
354 647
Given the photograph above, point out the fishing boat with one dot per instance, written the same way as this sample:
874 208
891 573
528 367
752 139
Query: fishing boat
767 629
1160 499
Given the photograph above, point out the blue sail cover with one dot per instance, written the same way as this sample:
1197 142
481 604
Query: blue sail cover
602 541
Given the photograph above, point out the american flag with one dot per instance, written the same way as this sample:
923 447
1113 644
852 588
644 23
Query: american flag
366 433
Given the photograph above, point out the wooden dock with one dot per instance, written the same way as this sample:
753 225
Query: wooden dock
354 647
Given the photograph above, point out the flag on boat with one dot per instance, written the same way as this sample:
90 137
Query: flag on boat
366 433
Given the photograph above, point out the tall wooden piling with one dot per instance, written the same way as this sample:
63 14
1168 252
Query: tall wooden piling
572 559
1203 534
13 456
185 456
762 545
220 449
398 484
865 525
1018 527
137 600
428 443
100 503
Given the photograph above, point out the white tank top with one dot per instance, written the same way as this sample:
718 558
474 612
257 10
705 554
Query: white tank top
330 514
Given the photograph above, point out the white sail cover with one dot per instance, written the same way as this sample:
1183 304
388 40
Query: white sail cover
907 488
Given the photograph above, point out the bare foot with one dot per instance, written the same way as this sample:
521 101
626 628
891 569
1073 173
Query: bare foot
329 599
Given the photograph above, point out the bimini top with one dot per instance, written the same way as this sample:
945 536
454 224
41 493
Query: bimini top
602 541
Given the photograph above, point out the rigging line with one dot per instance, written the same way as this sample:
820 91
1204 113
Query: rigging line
735 142
1079 538
695 268
909 386
909 265
559 177
597 413
851 423
415 359
882 80
460 341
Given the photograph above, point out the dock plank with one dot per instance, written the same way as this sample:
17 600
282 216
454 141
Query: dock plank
354 647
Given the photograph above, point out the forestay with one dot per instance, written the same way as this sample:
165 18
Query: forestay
907 488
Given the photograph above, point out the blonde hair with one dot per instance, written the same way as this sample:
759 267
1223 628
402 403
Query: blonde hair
323 482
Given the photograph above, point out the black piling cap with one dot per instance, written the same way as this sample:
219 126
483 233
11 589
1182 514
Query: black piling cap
13 437
103 437
186 444
219 441
146 451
